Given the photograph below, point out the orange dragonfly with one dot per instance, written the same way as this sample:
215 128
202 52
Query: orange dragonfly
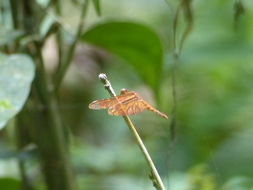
127 103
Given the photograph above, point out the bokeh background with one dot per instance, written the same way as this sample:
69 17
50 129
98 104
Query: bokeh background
210 147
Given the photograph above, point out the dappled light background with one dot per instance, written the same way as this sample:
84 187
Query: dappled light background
212 142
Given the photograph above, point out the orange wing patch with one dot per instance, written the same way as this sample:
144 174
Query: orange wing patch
109 102
127 103
127 108
103 104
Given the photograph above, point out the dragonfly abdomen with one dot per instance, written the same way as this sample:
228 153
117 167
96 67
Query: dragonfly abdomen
150 108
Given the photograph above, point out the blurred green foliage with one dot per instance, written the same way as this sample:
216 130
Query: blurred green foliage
212 149
97 6
136 43
10 183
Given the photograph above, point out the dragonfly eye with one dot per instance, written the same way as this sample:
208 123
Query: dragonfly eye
123 91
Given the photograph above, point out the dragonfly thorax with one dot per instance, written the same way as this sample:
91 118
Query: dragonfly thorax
123 91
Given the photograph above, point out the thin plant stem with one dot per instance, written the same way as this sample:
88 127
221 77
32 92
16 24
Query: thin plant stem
184 5
239 10
14 12
173 80
59 38
174 98
155 175
22 140
188 15
65 64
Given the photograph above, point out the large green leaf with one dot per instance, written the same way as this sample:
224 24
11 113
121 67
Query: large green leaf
138 44
9 183
16 74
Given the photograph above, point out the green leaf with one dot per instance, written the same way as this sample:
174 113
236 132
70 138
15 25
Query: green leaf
46 24
16 75
9 183
138 44
97 6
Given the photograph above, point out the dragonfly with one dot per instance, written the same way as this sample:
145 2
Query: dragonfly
127 103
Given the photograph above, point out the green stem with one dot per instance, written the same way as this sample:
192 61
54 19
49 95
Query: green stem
21 131
22 139
14 12
65 65
189 19
155 175
45 125
174 99
173 78
184 5
49 135
59 34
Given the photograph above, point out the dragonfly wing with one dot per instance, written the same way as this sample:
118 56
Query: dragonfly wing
127 103
127 108
103 104
109 102
133 107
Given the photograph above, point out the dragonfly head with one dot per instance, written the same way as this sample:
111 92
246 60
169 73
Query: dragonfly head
123 91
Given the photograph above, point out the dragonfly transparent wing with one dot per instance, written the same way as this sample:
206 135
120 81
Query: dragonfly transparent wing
127 103
127 108
103 104
133 107
109 102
